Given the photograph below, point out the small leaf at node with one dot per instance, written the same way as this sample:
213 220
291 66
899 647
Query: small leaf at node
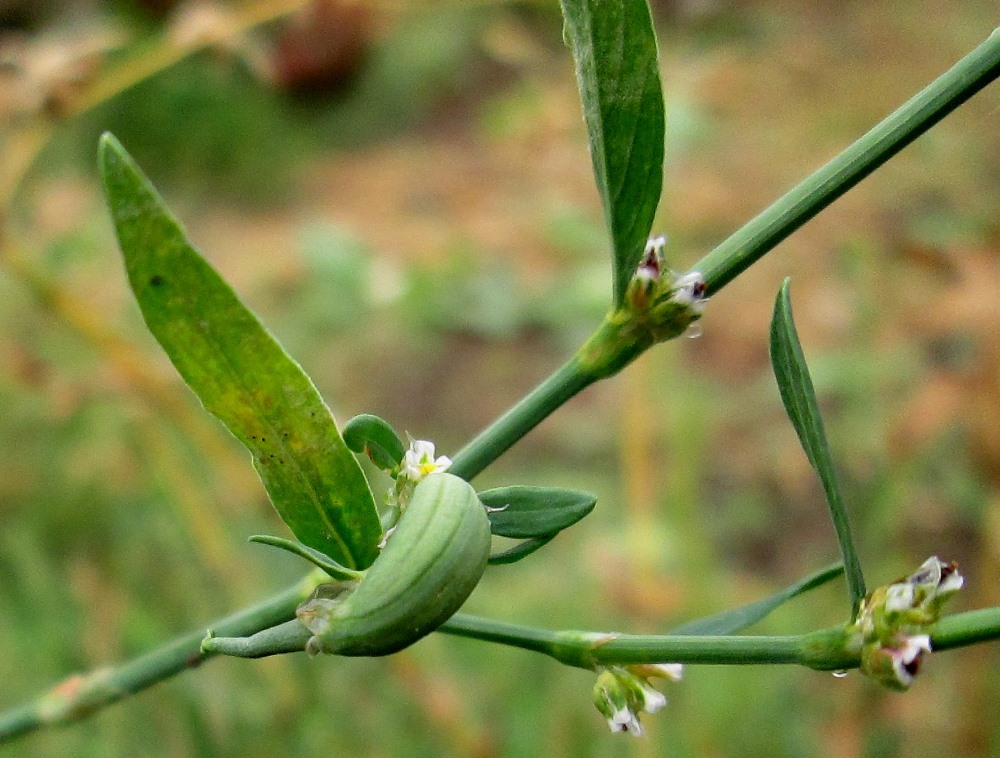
799 398
374 437
521 511
738 619
519 551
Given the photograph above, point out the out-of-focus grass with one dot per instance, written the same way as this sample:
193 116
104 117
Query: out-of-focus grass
431 273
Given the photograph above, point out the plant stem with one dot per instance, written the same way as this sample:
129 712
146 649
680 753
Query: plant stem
78 696
747 245
762 233
822 649
961 629
499 436
613 345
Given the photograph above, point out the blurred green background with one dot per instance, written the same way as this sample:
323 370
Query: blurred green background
403 192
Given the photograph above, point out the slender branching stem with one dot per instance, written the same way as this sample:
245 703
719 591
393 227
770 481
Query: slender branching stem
80 695
823 649
761 234
612 347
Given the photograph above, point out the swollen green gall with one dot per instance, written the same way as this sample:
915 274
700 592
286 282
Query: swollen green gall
662 301
894 622
621 693
429 566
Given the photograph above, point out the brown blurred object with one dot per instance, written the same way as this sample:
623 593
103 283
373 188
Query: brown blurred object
159 8
320 48
26 14
960 298
44 73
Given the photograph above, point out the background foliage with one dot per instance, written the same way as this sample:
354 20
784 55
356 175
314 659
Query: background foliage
427 241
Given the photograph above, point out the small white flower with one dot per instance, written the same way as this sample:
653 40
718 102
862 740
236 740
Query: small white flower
652 700
651 264
951 582
419 461
689 290
672 671
647 273
906 659
899 597
621 693
624 720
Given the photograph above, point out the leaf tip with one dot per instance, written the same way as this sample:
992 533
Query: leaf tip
108 148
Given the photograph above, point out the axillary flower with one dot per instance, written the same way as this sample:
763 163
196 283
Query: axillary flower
419 461
894 622
621 693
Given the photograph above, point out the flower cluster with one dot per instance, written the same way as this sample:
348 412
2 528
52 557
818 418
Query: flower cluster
621 693
893 622
666 302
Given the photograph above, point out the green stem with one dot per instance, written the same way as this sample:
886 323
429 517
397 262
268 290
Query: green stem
969 628
499 436
747 245
615 344
77 697
822 649
762 233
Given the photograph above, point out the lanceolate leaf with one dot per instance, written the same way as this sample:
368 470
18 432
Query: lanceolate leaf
799 398
522 511
240 373
738 619
315 557
614 47
519 551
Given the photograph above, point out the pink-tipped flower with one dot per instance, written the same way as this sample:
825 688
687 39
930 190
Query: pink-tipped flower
689 290
651 265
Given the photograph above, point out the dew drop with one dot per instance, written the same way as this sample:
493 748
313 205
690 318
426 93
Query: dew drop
840 674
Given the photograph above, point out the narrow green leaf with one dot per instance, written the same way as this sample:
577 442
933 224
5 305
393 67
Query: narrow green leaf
799 398
519 551
315 557
240 373
738 619
522 511
374 437
617 71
